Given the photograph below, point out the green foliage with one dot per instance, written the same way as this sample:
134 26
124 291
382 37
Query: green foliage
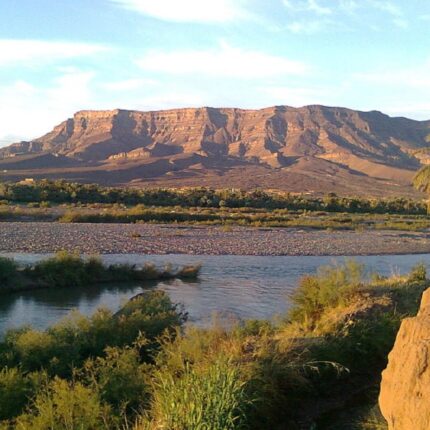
361 346
8 271
61 191
418 273
16 389
225 207
331 286
69 343
212 397
119 378
140 369
66 269
64 405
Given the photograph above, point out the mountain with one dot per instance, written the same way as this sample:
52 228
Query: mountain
308 149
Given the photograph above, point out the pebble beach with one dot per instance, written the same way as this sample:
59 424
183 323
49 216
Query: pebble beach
46 237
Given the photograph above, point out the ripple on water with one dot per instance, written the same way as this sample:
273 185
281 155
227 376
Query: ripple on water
237 286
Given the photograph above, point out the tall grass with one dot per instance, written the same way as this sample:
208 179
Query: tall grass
209 398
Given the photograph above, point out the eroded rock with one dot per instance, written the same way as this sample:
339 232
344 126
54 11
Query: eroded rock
405 389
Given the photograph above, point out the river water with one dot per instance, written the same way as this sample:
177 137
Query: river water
233 287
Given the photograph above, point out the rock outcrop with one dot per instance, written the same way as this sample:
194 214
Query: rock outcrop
405 389
308 147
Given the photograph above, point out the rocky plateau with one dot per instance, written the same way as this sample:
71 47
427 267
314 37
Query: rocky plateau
314 149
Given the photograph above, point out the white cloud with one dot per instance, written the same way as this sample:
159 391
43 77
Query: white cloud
401 23
26 52
173 99
387 6
129 84
413 77
306 27
206 11
29 111
409 109
349 6
295 96
307 6
392 10
223 62
400 90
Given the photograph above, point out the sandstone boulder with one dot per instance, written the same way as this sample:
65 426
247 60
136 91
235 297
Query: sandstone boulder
405 389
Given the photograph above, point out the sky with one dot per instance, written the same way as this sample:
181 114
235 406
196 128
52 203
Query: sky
61 56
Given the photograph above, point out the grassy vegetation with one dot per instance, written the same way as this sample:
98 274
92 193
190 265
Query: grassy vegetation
66 269
74 203
45 192
226 217
141 369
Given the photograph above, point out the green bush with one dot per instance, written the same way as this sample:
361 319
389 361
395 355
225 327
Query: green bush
418 273
69 343
119 378
331 286
65 270
208 398
8 271
16 389
139 368
64 405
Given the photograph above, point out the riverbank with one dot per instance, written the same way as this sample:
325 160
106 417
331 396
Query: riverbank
318 367
47 237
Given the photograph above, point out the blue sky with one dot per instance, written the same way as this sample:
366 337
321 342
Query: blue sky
61 56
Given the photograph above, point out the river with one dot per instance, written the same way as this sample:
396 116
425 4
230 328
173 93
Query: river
235 287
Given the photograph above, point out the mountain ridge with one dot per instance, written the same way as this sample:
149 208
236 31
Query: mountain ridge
321 147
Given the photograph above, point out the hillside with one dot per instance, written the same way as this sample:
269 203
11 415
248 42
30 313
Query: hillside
309 149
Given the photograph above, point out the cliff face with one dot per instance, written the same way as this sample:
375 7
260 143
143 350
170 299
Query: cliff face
405 389
310 139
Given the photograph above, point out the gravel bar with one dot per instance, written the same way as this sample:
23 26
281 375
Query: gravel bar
46 237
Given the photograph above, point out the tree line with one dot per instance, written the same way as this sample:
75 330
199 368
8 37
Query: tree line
61 191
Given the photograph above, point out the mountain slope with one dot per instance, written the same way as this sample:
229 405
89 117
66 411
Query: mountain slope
313 148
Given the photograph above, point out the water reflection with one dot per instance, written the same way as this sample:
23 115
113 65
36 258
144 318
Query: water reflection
236 286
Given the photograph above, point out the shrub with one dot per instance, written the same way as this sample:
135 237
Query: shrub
64 405
63 270
66 269
331 286
418 273
150 313
69 343
15 391
119 378
212 397
8 270
34 349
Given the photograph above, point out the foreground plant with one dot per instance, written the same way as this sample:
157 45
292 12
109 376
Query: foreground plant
209 398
